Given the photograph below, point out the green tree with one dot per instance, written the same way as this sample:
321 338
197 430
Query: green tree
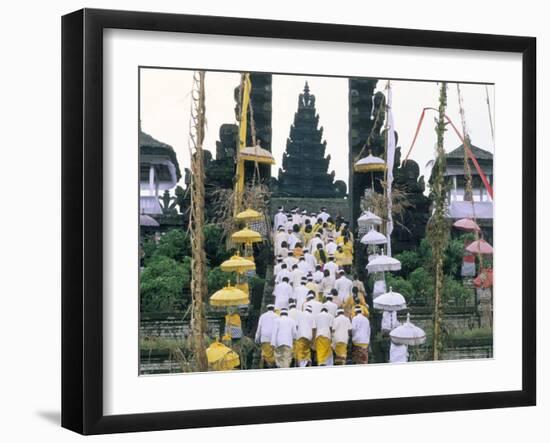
215 244
399 284
422 283
410 260
162 282
217 279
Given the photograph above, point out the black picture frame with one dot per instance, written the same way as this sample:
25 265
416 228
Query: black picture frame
82 218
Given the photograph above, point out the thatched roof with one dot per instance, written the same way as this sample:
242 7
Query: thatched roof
479 153
149 146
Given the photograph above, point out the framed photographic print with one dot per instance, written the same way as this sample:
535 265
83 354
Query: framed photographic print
254 207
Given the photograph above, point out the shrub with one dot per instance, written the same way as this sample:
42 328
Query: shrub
174 244
162 282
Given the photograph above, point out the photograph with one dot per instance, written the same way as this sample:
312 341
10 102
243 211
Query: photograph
294 221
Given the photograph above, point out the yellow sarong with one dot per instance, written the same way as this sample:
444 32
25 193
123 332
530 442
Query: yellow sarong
323 348
340 353
302 349
268 353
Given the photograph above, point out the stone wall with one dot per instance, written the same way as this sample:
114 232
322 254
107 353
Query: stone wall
335 206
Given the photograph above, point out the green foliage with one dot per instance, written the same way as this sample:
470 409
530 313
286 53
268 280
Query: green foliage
410 260
454 290
453 257
217 279
399 284
422 283
174 244
214 244
162 282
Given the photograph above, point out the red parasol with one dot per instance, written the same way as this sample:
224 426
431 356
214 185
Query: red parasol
480 247
466 224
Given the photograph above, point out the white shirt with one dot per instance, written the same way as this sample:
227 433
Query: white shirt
399 353
295 314
343 285
303 266
306 324
318 276
279 220
323 216
332 268
315 307
310 260
331 247
292 240
282 293
360 330
296 277
313 244
290 261
300 294
284 331
281 274
340 329
277 268
327 284
324 323
279 238
331 307
265 327
297 219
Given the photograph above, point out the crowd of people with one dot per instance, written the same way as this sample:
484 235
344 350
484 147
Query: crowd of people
319 315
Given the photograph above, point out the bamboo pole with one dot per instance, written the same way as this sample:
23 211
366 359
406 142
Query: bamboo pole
439 232
199 285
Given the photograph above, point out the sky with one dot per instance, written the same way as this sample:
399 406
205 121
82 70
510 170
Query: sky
165 112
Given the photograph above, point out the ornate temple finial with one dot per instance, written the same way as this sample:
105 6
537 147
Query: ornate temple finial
306 88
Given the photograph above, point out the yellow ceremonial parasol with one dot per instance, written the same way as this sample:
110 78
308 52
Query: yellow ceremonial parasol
257 154
248 215
246 235
237 264
221 357
243 287
370 163
229 296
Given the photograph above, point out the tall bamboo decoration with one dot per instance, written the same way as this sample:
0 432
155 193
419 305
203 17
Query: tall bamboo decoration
438 230
196 221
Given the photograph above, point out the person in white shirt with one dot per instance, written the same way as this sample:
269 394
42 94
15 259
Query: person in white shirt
280 237
282 273
305 336
318 274
290 260
360 337
317 240
312 286
331 247
331 266
327 284
399 353
296 276
343 285
300 294
282 339
293 239
341 328
294 313
314 304
263 336
323 215
310 260
302 265
279 219
323 337
282 293
330 305
277 267
296 218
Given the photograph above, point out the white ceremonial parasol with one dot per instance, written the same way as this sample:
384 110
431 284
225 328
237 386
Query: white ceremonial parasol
368 219
383 263
390 301
147 220
374 237
408 334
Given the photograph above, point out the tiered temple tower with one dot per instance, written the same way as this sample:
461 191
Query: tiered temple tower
305 167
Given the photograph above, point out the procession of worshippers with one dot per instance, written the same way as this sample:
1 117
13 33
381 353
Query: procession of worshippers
319 316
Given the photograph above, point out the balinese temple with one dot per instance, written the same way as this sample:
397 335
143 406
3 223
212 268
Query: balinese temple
460 204
304 171
158 171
